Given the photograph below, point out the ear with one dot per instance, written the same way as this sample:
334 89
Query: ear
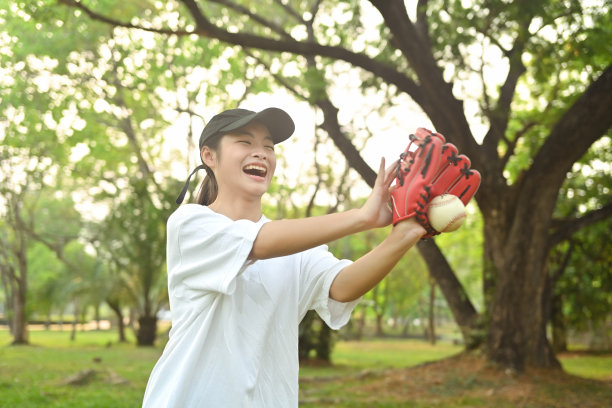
208 156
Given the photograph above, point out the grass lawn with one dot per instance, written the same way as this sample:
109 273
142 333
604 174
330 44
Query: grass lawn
377 373
33 376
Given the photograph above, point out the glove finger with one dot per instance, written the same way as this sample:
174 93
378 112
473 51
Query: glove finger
421 133
467 185
419 178
445 174
449 171
428 157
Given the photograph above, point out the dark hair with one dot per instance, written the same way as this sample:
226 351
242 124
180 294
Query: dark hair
207 193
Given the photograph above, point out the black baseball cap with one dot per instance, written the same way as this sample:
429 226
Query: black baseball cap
279 124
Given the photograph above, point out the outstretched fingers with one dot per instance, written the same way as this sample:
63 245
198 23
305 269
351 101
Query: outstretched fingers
385 176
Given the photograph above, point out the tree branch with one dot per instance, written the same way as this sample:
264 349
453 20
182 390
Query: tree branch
445 111
334 130
587 120
116 23
513 143
555 275
564 229
422 25
461 307
500 116
206 29
255 17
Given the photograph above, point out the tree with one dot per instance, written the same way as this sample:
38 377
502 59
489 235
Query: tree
34 216
133 237
15 268
579 278
85 110
523 128
32 156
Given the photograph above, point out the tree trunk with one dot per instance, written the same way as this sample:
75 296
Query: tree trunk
7 271
75 322
378 311
406 328
559 327
20 321
518 315
305 337
48 322
461 307
116 308
431 320
362 322
20 318
97 316
380 332
324 343
147 328
61 320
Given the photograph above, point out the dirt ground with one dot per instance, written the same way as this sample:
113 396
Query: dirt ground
466 380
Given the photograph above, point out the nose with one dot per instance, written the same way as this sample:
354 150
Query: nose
260 154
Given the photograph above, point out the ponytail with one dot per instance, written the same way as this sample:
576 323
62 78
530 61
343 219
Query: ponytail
207 193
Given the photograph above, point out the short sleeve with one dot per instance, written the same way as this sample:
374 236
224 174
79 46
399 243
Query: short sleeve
206 250
319 268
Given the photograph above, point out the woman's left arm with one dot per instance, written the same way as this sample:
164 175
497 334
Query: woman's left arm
366 272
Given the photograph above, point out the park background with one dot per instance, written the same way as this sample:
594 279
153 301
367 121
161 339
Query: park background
102 103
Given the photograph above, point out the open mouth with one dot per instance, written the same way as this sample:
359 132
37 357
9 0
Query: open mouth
255 170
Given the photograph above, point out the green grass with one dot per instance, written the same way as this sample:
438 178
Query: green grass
391 353
364 374
596 366
32 376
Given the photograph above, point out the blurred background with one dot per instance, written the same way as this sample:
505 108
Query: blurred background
102 104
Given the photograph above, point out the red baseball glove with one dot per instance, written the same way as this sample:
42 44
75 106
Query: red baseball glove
432 169
415 171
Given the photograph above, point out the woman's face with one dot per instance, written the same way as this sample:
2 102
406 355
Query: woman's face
244 162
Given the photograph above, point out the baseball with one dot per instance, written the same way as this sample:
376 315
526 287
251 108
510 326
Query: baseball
446 213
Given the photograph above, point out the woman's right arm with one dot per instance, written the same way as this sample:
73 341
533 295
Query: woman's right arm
286 237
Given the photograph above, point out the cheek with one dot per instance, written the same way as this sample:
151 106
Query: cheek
272 165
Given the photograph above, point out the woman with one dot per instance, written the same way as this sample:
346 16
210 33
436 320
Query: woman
239 284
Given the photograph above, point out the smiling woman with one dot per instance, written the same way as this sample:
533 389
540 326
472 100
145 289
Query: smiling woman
277 127
239 284
248 151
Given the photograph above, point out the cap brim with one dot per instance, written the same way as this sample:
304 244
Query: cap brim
279 123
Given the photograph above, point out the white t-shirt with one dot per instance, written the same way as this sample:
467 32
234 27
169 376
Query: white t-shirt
234 336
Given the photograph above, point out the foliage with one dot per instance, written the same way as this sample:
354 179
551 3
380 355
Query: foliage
585 283
48 282
89 110
583 279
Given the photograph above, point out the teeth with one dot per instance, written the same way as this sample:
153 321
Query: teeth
256 170
252 167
